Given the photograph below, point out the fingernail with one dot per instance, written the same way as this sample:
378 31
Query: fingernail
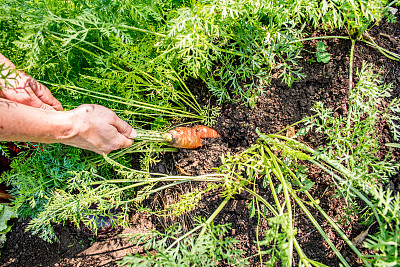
133 134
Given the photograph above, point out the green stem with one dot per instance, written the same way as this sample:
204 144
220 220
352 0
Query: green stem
183 237
232 52
79 40
141 30
328 218
319 228
271 185
186 101
354 190
136 148
337 228
294 41
150 192
259 198
353 42
301 253
203 225
187 90
338 167
385 52
258 229
201 178
133 103
298 122
153 136
212 217
391 3
162 179
278 173
183 98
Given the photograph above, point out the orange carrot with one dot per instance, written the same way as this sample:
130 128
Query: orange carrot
191 138
205 132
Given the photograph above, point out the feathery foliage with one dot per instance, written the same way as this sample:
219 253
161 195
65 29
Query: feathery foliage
211 249
135 56
353 140
34 177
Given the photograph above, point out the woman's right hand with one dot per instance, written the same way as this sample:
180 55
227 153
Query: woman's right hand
97 128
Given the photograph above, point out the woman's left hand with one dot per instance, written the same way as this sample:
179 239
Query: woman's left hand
26 90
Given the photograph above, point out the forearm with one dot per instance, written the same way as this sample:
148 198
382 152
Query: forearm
90 127
20 122
29 112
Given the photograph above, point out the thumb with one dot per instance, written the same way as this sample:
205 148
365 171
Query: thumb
44 94
124 128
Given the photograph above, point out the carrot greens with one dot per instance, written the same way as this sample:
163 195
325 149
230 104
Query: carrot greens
140 59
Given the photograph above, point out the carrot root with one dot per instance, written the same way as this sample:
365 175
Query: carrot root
191 138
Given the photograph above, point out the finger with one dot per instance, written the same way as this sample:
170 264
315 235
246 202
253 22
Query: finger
126 142
133 134
118 142
56 105
124 128
46 107
44 94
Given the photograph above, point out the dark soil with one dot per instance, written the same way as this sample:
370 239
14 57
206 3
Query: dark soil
281 106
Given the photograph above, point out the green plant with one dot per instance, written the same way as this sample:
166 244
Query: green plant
89 197
135 56
82 204
352 139
6 213
386 242
36 173
322 55
211 249
359 15
241 172
227 44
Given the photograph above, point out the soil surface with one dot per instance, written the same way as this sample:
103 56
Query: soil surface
280 106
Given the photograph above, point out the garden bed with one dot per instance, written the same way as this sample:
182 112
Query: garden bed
279 107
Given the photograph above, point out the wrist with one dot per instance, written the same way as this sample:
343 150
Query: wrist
74 125
66 126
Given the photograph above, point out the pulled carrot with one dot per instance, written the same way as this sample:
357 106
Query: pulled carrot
191 138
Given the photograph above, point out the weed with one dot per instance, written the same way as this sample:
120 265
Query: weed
322 55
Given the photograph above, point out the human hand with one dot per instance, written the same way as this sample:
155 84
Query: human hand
26 90
99 129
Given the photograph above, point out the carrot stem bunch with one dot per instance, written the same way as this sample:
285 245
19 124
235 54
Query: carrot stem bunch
180 137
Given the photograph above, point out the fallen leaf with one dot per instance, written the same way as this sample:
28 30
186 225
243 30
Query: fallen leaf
359 240
291 132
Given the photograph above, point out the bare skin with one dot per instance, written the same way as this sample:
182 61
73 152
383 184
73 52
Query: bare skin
30 113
